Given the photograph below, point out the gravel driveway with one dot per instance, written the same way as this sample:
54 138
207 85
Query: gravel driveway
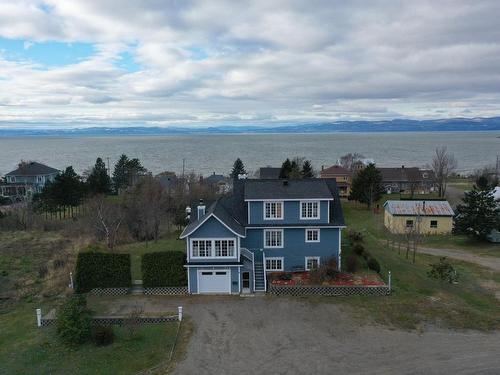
492 263
265 335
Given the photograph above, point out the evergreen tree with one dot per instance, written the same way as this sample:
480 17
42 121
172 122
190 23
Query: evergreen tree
238 168
482 183
295 172
126 172
286 169
307 170
478 215
67 189
99 181
366 187
120 174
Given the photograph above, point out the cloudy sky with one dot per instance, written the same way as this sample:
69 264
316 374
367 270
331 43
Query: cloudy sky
193 63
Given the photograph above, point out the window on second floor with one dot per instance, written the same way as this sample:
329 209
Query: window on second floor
312 235
309 210
273 238
213 248
273 210
39 178
12 179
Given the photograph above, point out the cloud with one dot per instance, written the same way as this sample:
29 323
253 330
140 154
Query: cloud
192 62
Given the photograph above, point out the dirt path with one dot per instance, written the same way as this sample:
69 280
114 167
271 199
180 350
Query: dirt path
266 335
488 262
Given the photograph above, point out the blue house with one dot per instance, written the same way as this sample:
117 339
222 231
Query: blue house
264 226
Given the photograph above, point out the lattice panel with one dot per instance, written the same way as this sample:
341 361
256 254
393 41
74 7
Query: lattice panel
323 290
167 291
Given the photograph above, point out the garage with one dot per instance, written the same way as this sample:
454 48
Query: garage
214 281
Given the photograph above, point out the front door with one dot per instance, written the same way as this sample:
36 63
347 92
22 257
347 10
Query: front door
245 277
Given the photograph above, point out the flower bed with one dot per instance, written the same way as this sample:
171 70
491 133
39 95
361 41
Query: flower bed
341 279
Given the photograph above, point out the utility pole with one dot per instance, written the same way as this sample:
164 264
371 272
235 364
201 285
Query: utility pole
109 171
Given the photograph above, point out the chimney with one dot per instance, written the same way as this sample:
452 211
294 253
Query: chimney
402 167
242 176
201 209
322 167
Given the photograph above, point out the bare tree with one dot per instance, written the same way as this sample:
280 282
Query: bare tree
443 165
349 160
106 218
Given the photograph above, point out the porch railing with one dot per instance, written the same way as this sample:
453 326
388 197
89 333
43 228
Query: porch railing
264 267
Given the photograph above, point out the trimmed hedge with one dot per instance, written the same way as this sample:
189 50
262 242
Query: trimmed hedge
163 268
102 270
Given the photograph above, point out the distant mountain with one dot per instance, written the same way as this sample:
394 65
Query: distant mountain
397 125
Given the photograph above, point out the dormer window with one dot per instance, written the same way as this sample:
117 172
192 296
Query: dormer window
273 210
309 210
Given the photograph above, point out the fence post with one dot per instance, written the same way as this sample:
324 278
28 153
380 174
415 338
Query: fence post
390 282
180 313
39 317
71 280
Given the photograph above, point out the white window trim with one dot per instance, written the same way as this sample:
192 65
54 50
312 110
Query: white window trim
12 178
212 249
314 229
282 259
433 227
273 218
282 238
307 258
310 218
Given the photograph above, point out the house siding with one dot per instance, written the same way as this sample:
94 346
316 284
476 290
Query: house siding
295 248
291 213
397 224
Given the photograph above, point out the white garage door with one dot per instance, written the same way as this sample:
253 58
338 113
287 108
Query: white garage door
214 281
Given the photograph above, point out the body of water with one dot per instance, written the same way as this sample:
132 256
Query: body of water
215 153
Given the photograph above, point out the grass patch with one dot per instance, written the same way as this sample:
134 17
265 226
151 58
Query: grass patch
418 299
461 242
168 242
26 349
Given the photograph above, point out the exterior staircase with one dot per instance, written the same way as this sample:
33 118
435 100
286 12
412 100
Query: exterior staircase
259 274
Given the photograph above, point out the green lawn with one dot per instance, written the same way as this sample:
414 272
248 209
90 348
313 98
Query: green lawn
462 242
169 242
26 349
417 299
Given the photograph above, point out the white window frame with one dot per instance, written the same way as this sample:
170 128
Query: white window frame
12 179
434 226
212 248
265 203
274 230
317 230
281 259
312 258
302 213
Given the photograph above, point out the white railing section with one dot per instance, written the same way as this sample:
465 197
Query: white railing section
264 267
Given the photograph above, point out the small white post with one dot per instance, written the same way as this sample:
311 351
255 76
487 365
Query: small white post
390 281
71 280
39 317
180 313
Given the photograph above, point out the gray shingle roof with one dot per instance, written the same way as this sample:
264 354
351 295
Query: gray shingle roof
312 188
32 169
422 208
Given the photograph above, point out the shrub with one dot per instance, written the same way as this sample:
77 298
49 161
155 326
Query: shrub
352 264
443 271
102 270
103 335
374 265
74 320
318 275
358 249
285 276
163 268
355 236
366 255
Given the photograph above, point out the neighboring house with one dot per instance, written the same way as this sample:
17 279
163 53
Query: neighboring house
395 180
425 217
220 182
341 175
168 180
29 178
263 226
494 236
269 173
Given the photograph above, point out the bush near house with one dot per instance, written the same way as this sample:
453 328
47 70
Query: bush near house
74 320
102 270
164 268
